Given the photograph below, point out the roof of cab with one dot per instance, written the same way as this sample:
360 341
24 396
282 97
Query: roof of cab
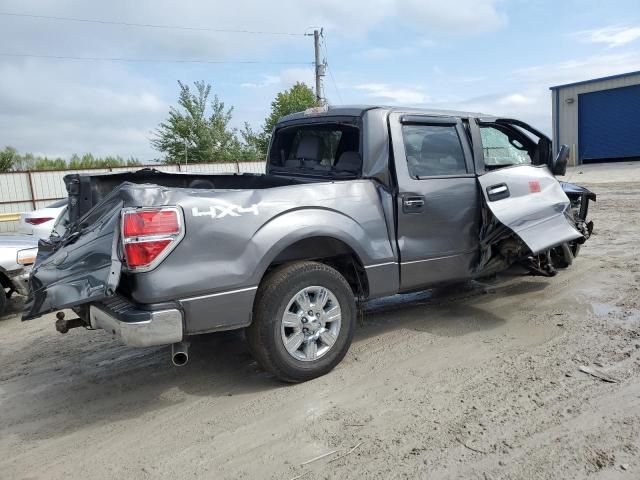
359 110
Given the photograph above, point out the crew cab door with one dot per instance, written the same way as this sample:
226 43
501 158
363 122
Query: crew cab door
517 184
437 203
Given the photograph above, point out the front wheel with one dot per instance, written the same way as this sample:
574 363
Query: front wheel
304 321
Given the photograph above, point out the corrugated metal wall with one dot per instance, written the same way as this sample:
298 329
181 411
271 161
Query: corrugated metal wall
567 126
22 191
608 124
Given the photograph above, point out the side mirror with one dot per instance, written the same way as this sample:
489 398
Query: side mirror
561 160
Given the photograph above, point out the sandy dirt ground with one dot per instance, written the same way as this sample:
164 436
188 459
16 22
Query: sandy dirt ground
480 380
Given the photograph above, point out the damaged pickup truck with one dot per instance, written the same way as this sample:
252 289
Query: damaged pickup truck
356 203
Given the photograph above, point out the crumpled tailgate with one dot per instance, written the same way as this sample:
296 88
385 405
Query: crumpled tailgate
80 267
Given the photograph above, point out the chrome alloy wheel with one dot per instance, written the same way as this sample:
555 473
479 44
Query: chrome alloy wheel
311 323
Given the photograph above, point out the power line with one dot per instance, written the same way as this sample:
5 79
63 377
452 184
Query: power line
333 80
147 25
148 60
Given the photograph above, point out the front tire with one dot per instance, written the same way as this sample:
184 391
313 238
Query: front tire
304 318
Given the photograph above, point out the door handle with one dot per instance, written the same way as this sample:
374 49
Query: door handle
412 203
498 192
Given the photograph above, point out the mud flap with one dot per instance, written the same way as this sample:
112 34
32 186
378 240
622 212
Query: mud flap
530 202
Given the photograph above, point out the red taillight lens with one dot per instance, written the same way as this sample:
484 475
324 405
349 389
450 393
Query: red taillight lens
148 235
140 254
151 222
37 220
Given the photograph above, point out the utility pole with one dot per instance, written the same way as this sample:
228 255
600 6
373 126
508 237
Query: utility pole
320 67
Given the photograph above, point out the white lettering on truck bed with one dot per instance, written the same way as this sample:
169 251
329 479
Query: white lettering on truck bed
219 211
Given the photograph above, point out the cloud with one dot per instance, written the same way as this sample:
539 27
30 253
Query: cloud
284 79
267 80
530 100
517 100
467 16
290 76
595 66
427 43
77 110
61 107
382 53
612 36
394 95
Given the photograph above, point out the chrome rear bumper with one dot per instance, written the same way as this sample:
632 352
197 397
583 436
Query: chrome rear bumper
144 329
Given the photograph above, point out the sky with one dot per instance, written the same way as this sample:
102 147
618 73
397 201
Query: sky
493 56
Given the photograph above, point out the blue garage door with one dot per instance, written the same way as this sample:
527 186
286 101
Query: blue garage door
609 123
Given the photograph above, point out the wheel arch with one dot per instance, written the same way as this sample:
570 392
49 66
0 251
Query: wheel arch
328 236
325 248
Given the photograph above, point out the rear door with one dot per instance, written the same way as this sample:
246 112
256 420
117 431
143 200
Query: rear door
438 208
518 186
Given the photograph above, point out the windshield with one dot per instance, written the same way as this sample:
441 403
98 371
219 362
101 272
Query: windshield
501 150
318 149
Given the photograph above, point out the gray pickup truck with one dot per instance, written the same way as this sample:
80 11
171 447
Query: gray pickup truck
356 203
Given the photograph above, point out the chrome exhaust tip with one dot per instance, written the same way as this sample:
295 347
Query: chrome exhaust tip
180 353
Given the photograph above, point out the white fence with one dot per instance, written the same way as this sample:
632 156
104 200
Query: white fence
26 191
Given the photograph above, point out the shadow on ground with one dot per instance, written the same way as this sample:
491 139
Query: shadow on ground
70 380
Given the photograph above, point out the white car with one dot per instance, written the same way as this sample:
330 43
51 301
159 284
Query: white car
40 222
17 254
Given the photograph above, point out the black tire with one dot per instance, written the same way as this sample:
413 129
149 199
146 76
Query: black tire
3 300
264 334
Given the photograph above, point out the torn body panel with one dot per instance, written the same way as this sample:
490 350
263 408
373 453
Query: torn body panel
78 268
531 202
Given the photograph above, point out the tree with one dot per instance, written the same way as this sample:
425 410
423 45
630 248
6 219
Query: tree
199 130
7 159
296 99
11 160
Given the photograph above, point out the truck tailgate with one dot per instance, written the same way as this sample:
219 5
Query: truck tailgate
80 267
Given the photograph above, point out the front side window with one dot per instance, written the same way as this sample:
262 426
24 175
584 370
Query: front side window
433 150
501 150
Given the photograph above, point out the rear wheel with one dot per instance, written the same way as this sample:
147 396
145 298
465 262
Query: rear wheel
304 320
3 299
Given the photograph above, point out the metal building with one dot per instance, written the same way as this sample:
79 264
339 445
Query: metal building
599 119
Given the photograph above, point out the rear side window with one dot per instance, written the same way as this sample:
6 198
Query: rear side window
326 140
433 150
500 150
331 147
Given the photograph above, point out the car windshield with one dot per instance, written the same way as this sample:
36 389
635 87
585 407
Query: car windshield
501 150
319 149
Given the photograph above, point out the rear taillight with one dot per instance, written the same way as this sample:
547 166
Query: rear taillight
37 220
148 222
149 235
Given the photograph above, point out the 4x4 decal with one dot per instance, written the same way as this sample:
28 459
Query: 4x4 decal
220 211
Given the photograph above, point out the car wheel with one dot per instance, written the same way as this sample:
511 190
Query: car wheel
3 300
303 321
